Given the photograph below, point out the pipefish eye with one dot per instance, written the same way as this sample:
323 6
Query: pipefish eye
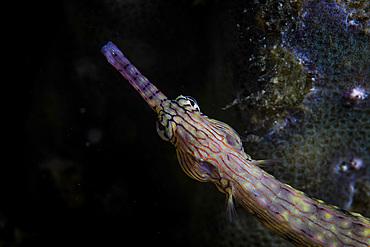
193 102
188 102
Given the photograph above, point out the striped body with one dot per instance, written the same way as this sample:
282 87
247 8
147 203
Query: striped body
209 150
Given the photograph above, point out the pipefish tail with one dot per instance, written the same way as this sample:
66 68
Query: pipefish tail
211 151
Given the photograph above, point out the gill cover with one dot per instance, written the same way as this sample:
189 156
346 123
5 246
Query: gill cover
165 126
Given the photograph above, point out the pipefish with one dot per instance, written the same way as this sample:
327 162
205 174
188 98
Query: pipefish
211 151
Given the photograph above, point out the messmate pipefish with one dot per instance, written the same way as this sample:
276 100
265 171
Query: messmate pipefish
211 151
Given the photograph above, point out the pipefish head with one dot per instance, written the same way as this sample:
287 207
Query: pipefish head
175 116
200 141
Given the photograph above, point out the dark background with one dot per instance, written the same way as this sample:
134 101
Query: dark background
93 169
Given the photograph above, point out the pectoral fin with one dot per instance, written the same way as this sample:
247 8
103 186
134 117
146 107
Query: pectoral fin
200 170
262 163
230 208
